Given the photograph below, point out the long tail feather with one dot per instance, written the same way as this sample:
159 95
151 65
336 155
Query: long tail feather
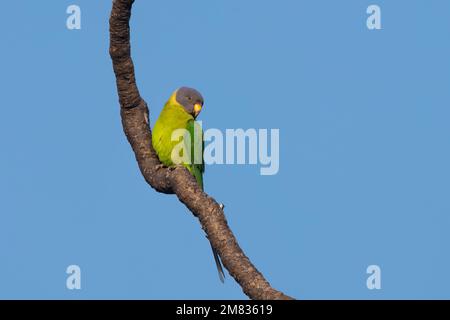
218 264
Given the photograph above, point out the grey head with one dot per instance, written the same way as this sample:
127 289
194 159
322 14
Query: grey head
190 99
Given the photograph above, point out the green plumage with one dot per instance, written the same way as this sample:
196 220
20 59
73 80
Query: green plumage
174 117
179 113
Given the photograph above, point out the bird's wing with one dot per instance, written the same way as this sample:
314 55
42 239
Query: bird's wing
197 167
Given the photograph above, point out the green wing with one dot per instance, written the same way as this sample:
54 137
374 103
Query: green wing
196 167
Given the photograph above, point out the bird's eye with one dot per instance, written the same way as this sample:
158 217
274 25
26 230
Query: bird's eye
189 98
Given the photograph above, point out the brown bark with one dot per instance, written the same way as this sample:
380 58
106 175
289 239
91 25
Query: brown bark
135 120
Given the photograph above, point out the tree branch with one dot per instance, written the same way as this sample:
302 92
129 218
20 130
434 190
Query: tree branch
179 181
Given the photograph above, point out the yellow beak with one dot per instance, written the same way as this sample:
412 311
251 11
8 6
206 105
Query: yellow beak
197 109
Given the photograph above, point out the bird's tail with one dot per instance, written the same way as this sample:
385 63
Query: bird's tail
218 263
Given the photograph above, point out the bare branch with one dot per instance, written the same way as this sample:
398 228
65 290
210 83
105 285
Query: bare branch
135 115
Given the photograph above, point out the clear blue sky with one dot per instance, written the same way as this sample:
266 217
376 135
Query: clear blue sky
364 139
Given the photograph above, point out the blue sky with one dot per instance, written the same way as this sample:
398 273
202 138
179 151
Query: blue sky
364 148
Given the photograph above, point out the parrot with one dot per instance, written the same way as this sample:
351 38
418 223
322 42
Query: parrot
180 112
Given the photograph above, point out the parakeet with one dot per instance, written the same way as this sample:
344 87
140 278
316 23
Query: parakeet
180 112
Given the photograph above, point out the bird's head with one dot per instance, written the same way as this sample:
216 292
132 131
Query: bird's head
190 99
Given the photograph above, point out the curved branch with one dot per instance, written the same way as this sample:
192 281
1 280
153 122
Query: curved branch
135 115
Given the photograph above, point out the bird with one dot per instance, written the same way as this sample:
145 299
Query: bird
180 112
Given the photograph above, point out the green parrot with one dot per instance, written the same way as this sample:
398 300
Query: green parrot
177 120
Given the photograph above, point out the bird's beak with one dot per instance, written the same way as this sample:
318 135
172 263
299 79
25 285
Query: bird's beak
197 109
